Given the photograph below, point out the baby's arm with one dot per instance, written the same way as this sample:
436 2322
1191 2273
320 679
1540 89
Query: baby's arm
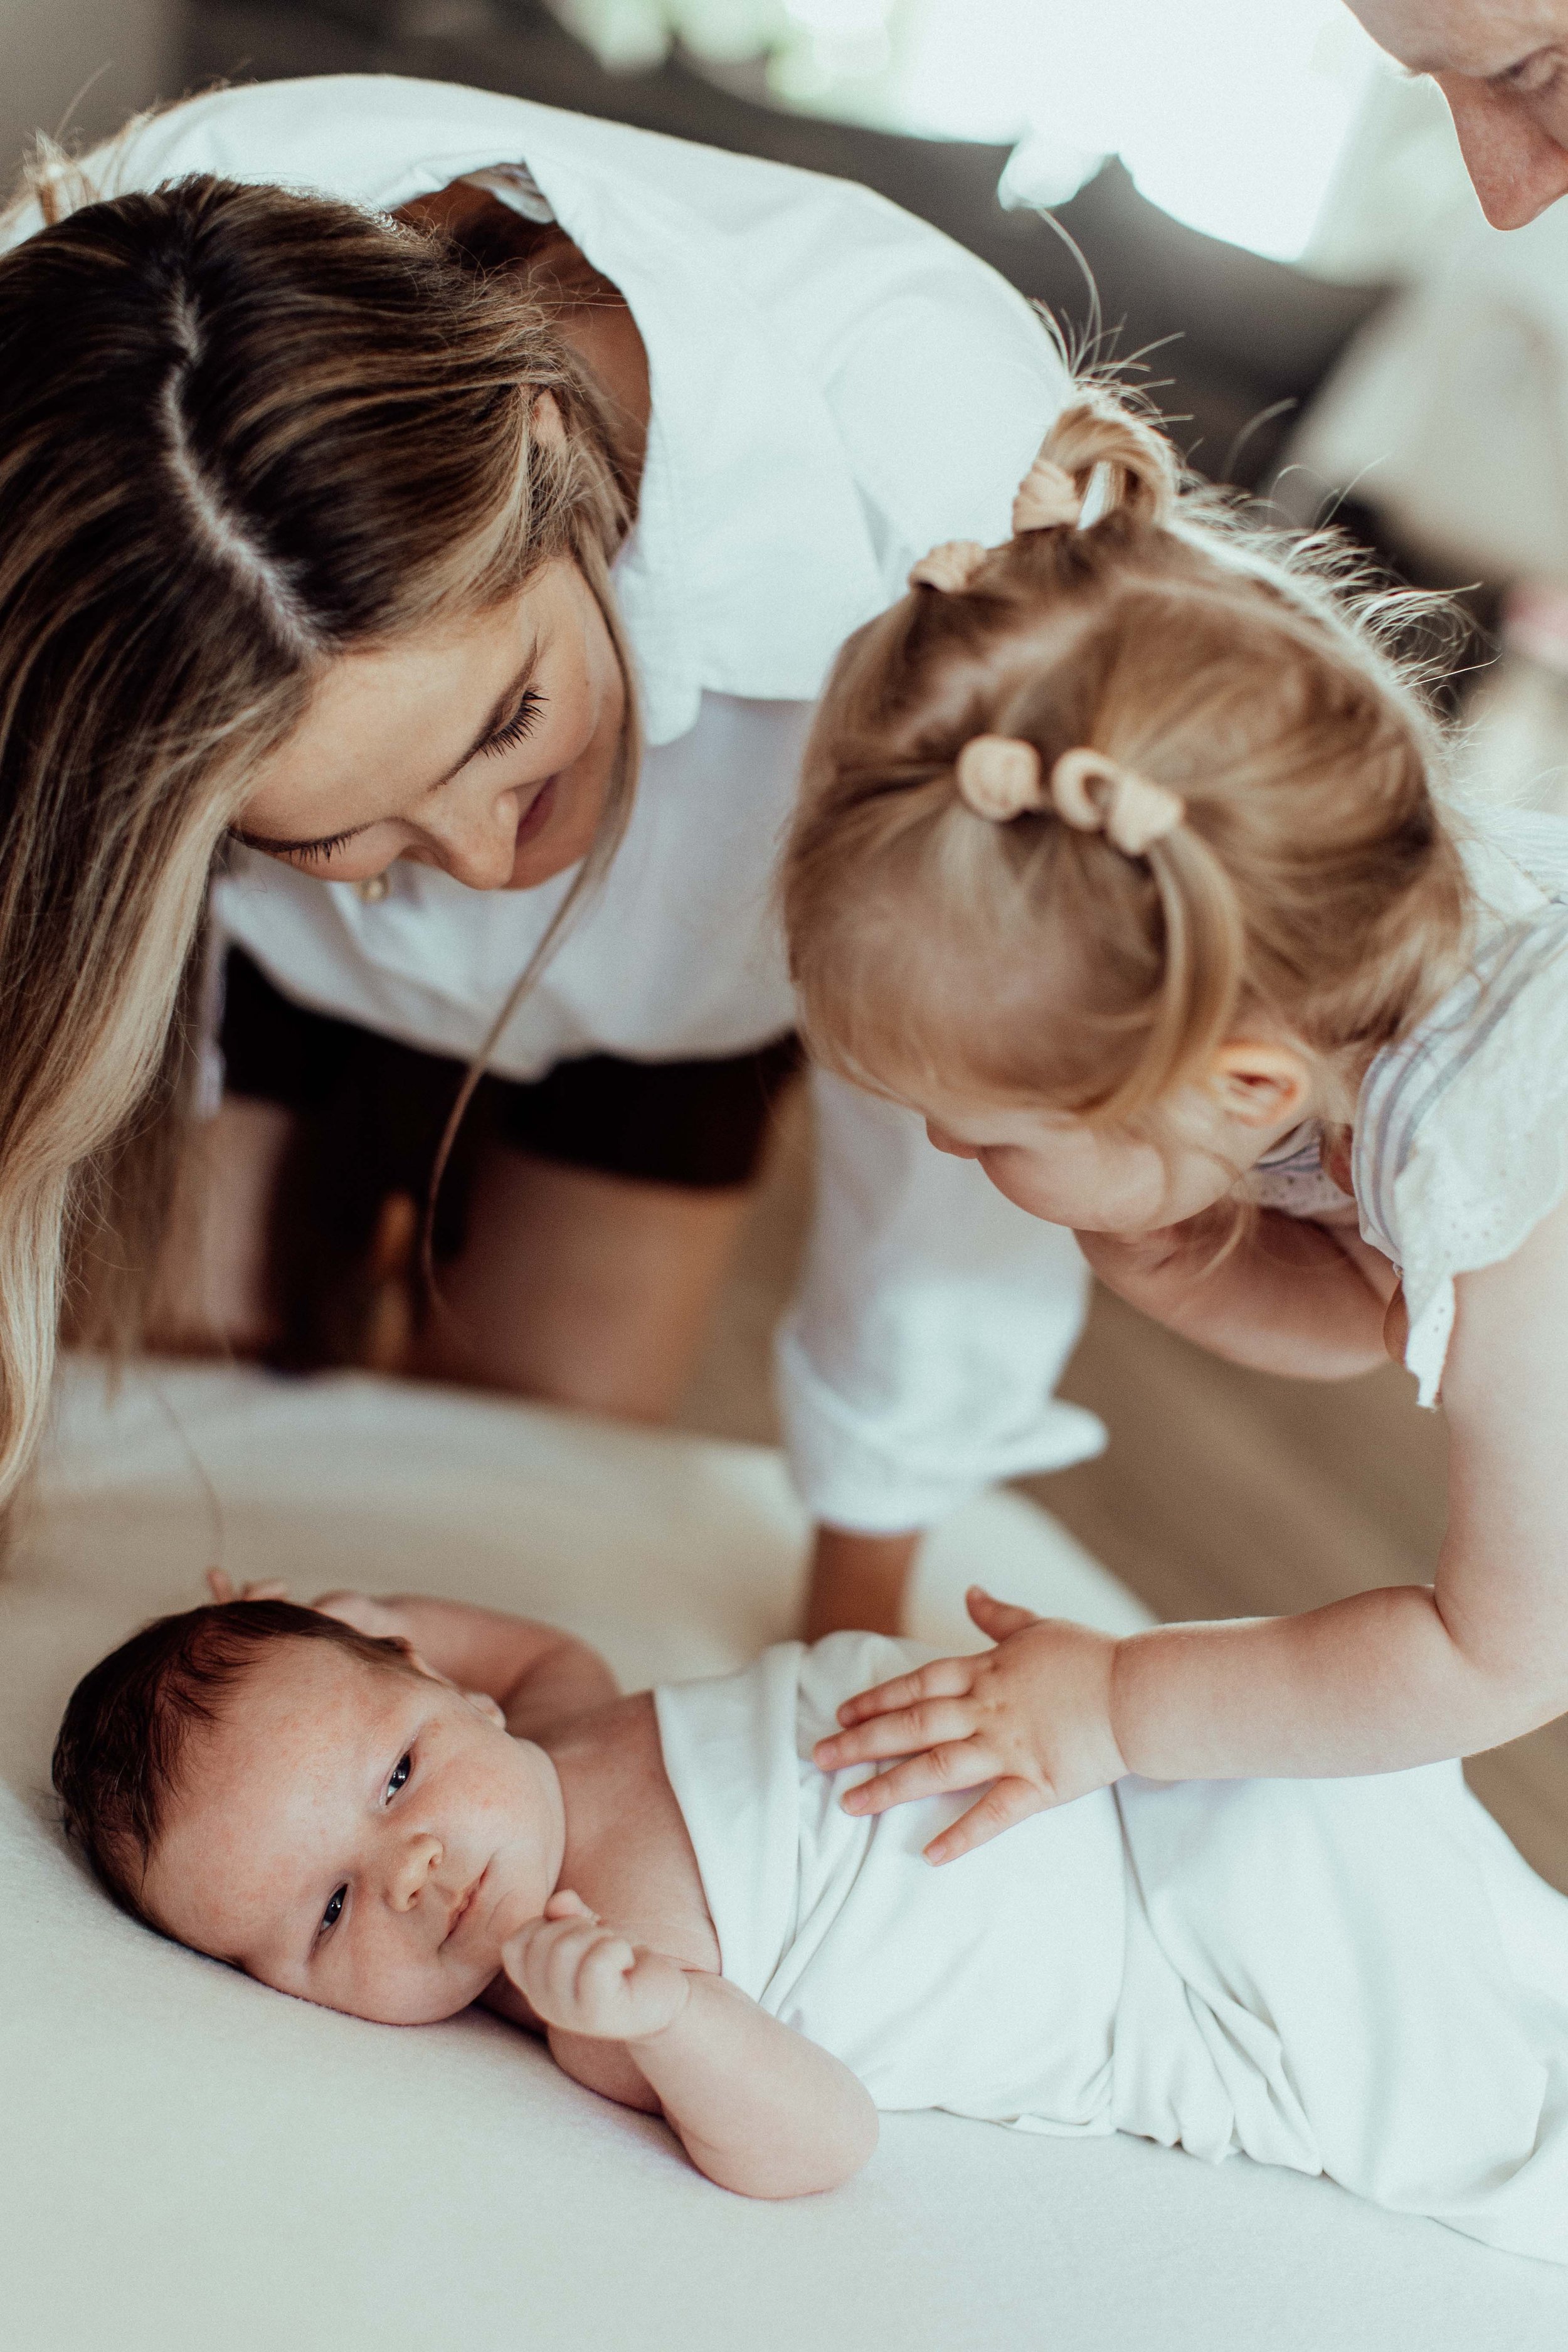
1292 1296
758 2108
537 1674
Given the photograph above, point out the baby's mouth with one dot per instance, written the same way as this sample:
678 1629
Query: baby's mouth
464 1904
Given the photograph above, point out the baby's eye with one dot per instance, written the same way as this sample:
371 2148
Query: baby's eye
400 1772
334 1910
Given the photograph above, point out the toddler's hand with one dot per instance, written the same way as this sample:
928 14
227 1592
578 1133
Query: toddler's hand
582 1976
1032 1717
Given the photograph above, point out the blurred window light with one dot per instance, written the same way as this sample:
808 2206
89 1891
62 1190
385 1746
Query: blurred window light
1230 115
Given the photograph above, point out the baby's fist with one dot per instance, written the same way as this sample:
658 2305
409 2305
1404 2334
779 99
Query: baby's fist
583 1977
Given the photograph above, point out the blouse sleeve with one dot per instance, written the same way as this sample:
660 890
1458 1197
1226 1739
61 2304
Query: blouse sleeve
930 1325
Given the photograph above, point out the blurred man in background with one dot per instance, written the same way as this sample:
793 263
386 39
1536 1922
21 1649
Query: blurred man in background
1502 64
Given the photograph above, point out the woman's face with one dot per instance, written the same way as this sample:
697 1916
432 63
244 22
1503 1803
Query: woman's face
485 747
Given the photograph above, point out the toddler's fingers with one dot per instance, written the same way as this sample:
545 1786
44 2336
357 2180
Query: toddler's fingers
1005 1803
959 1764
220 1586
943 1678
997 1618
912 1727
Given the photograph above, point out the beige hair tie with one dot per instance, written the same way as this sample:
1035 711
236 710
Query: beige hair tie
949 567
1000 777
1094 794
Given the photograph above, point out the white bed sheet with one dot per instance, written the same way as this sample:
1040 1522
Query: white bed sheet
187 2160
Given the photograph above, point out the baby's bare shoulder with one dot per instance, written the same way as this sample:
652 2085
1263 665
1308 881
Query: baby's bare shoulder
627 1851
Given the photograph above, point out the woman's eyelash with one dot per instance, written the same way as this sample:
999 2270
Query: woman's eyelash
518 725
328 848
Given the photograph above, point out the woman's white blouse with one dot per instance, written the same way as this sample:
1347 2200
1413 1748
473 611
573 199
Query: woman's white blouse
836 387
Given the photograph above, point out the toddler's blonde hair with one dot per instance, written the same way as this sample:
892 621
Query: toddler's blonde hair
1313 885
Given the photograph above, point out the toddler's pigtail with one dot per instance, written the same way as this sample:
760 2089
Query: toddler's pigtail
1142 473
1201 984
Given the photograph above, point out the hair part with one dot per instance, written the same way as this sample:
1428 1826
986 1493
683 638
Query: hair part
242 432
1313 885
125 1736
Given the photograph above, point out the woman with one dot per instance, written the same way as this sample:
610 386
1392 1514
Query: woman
336 559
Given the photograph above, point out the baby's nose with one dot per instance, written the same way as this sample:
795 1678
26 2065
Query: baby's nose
412 1865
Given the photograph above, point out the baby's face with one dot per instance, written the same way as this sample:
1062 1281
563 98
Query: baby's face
364 1839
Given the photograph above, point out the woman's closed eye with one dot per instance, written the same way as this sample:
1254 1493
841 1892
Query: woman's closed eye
512 731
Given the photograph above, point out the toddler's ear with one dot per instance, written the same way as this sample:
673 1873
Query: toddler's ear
1260 1083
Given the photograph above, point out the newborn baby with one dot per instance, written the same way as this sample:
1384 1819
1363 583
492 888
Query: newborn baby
399 1808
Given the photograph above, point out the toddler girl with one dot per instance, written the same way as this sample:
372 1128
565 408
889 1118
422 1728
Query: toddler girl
1124 857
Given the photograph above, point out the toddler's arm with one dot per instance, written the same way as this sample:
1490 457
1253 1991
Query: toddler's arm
1377 1682
1292 1296
758 2108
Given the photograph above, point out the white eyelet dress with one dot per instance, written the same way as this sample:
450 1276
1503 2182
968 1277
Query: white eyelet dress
1460 1143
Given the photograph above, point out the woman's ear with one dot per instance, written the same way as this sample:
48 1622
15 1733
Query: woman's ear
1261 1084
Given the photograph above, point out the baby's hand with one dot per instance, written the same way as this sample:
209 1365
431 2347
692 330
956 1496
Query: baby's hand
376 1618
1032 1717
582 1976
355 1608
224 1589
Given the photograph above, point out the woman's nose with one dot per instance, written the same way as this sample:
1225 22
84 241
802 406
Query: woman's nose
414 1860
477 844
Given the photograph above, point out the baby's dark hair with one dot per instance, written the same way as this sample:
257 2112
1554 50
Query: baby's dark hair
118 1755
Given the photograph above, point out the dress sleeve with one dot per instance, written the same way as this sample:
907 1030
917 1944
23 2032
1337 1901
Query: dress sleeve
932 1320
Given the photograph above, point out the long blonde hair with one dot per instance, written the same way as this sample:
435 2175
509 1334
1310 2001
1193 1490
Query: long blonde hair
241 432
1313 881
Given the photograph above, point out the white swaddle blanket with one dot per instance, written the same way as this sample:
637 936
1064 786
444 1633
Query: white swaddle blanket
1360 1978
